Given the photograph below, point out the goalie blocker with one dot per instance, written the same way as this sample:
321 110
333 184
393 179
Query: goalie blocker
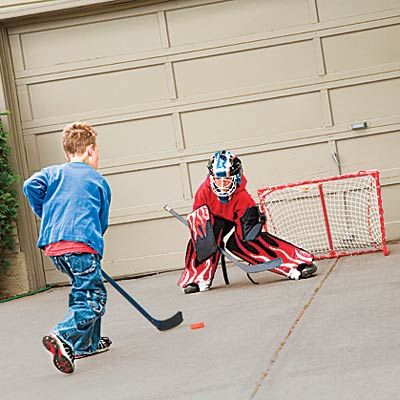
202 234
201 229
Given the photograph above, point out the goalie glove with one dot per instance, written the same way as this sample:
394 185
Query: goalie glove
252 222
202 233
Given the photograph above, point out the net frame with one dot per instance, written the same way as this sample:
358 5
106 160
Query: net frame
328 230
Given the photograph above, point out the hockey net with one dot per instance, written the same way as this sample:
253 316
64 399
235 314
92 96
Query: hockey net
330 217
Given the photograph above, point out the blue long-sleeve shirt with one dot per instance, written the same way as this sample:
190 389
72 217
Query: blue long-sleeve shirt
73 202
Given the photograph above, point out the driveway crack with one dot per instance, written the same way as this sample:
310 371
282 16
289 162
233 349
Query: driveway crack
293 326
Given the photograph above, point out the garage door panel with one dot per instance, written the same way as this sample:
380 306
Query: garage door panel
391 209
370 152
146 187
288 165
245 69
366 101
269 120
120 142
98 92
49 150
328 9
233 18
140 242
32 153
143 266
137 33
198 172
362 49
136 139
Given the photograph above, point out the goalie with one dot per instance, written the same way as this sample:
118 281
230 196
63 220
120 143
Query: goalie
225 215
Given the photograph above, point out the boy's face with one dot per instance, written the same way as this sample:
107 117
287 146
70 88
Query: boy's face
224 184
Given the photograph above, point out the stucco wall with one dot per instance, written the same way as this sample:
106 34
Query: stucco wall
15 280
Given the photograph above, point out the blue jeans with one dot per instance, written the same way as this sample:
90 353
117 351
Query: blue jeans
81 326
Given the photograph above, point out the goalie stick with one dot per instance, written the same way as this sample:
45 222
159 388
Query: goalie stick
246 268
224 271
161 325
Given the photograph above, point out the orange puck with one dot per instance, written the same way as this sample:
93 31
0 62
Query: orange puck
197 325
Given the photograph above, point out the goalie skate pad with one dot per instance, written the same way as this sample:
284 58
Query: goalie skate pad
202 233
251 222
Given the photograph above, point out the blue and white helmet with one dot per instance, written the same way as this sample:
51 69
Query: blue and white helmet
225 170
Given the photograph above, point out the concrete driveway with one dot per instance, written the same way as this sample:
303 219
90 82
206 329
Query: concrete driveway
333 336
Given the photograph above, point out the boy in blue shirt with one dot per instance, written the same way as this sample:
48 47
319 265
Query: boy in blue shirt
73 200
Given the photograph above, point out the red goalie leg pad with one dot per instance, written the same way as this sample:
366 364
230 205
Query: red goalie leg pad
267 247
195 272
203 272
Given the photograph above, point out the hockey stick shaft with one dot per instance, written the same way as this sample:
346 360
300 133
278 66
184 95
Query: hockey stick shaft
161 325
246 268
224 271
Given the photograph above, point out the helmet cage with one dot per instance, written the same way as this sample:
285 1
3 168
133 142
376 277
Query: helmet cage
223 192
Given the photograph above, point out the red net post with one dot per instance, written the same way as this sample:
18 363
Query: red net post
332 252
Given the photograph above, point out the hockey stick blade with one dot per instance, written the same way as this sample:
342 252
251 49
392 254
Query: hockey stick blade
249 269
161 325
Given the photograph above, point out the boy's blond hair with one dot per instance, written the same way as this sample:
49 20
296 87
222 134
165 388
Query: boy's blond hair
77 136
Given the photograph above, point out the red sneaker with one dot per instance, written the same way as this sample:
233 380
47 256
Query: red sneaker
63 355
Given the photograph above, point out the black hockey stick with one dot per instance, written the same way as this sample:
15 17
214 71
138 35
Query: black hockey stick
163 325
246 268
224 271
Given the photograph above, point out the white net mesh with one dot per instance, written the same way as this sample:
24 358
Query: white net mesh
351 223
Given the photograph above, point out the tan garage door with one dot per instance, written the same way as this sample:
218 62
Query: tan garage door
167 84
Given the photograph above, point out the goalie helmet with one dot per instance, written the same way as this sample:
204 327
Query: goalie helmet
225 170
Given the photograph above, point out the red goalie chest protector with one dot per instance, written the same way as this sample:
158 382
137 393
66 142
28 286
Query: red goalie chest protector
233 210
